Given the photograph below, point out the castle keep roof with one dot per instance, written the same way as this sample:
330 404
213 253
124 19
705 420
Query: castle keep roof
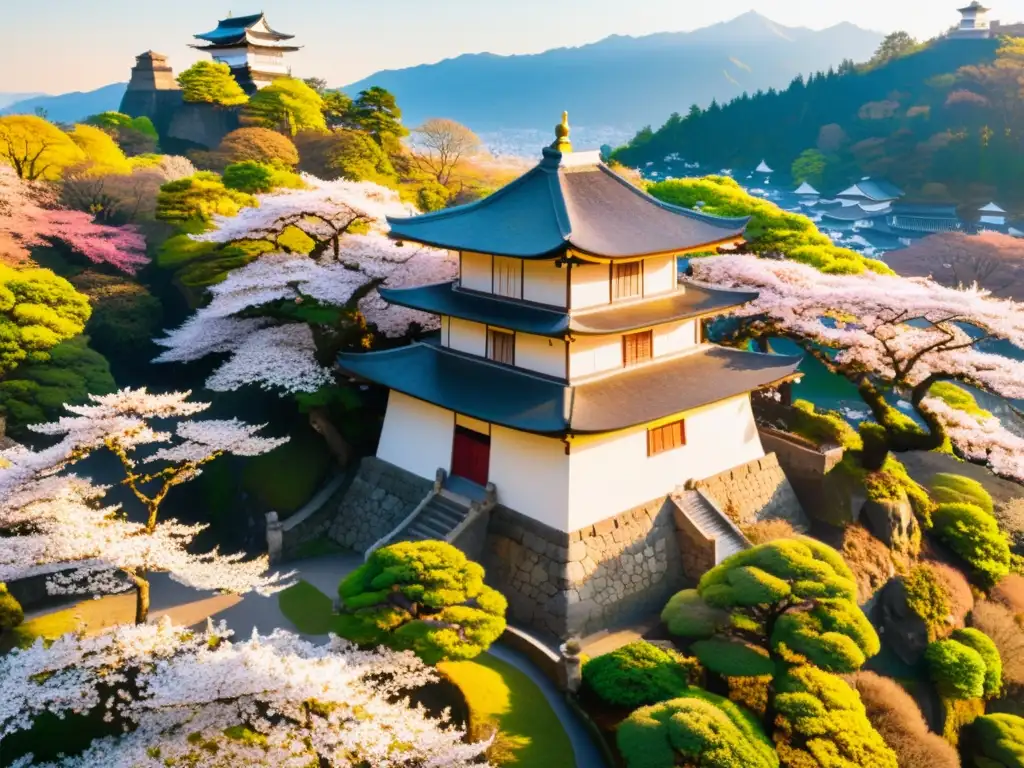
569 200
518 399
448 299
242 30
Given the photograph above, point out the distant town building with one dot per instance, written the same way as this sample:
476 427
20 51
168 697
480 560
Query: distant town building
974 22
919 219
992 214
805 190
870 190
251 47
764 168
152 91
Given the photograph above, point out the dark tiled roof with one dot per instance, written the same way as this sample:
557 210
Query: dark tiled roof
520 400
558 205
878 190
853 213
925 210
447 299
232 30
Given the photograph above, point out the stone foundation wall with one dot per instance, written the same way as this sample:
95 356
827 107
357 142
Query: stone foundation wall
756 491
380 497
698 550
566 585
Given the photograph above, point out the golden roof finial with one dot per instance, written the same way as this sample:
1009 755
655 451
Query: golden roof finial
562 143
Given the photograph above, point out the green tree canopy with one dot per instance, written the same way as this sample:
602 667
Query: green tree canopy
957 670
345 154
257 178
810 167
983 644
115 120
894 45
37 392
791 601
640 674
997 741
36 148
125 316
422 596
821 722
211 82
376 112
101 151
199 198
698 729
337 109
38 310
975 536
287 105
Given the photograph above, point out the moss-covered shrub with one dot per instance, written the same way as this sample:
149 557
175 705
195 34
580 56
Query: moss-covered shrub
687 615
928 598
11 614
823 427
983 645
255 178
639 674
423 596
957 670
699 729
996 741
946 488
974 535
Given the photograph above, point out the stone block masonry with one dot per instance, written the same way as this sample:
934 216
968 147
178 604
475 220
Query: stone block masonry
754 492
380 497
573 584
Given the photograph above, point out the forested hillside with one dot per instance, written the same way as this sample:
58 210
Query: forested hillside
945 121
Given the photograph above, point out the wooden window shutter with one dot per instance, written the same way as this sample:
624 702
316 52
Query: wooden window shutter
626 279
637 348
666 438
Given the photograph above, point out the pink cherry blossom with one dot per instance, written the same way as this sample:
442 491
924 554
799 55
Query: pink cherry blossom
30 217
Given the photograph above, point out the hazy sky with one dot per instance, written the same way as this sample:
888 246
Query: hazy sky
57 46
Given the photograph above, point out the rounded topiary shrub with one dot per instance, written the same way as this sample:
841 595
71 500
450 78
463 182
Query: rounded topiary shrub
947 488
975 536
640 673
423 596
996 741
957 670
980 642
698 729
11 614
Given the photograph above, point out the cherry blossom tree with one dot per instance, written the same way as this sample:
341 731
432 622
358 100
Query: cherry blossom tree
55 522
884 334
29 217
282 319
196 698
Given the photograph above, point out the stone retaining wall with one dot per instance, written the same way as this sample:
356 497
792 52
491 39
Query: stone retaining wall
573 584
380 497
756 491
698 549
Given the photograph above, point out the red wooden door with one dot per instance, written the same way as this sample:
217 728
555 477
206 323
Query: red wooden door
471 455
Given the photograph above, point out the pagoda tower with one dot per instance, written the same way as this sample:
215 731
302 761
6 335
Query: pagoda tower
974 21
251 47
572 378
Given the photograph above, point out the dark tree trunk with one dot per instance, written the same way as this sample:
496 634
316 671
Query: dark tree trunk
141 597
320 420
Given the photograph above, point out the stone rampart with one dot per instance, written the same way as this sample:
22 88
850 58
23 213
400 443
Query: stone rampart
756 491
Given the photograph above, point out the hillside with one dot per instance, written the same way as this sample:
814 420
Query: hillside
943 123
69 107
7 99
619 81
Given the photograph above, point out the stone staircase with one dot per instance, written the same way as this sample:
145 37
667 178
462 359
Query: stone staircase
445 512
713 523
441 515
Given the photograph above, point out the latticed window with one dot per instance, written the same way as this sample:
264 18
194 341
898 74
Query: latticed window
508 277
666 438
501 347
637 348
626 280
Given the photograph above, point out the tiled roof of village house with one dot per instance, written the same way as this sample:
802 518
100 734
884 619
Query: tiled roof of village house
574 201
878 190
514 398
449 299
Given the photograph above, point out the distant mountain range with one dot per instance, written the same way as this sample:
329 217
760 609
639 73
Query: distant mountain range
619 82
67 107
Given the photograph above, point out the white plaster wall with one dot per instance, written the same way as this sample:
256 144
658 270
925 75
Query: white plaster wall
476 271
675 337
544 283
417 436
594 354
590 285
531 474
659 275
612 476
467 337
537 353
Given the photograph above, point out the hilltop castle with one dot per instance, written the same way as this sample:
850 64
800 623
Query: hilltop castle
256 54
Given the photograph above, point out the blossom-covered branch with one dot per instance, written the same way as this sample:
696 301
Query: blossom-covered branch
196 698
